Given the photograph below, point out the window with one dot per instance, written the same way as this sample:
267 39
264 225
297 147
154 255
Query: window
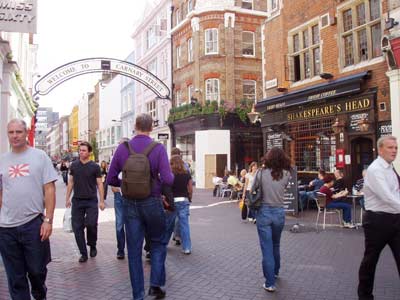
247 4
177 16
249 90
212 89
361 32
211 41
151 109
190 92
152 67
315 145
248 43
305 56
190 49
151 37
189 6
178 98
274 4
178 57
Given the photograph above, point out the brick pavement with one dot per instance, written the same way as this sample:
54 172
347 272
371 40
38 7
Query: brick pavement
225 263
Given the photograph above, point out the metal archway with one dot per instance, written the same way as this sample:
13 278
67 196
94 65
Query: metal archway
97 65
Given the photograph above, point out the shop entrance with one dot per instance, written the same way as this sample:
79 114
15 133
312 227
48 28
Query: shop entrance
362 156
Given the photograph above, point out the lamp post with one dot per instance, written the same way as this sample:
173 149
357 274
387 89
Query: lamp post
254 116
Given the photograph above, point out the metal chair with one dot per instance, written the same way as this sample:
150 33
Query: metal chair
320 201
225 191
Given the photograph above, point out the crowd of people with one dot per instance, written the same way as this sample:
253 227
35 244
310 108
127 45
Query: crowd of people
161 208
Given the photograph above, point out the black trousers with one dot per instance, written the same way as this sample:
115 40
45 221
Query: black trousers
84 213
380 229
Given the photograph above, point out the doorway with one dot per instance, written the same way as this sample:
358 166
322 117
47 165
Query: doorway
362 156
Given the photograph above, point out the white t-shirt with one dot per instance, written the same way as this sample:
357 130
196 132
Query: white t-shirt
23 176
250 177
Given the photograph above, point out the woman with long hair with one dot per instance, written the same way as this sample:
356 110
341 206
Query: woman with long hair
273 178
246 192
182 190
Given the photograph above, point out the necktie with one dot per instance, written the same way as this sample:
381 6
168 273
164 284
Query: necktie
398 177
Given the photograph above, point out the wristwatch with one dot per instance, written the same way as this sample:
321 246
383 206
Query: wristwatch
47 220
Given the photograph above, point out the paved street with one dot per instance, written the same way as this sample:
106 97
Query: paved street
225 263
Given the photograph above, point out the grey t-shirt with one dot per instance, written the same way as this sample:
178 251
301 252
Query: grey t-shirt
273 191
23 176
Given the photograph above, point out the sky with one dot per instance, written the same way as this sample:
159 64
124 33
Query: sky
76 29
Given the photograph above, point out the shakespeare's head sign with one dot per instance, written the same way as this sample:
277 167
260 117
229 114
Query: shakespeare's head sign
18 16
93 65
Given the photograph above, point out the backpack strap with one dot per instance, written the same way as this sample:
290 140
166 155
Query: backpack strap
131 151
149 148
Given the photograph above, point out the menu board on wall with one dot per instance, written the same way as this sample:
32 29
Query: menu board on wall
291 193
274 140
355 121
384 128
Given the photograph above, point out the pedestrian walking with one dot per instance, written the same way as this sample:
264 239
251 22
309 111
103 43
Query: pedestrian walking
27 201
144 213
273 178
182 190
64 171
381 221
119 216
104 171
249 179
84 177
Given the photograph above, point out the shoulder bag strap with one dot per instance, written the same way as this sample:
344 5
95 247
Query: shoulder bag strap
149 148
131 151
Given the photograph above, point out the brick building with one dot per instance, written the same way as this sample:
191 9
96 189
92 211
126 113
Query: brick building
326 94
217 75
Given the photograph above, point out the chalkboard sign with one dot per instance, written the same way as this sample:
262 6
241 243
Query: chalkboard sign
274 140
291 193
355 121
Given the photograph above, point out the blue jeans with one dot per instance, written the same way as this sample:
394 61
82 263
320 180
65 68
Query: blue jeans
182 211
346 207
119 223
145 216
304 197
170 217
25 254
270 223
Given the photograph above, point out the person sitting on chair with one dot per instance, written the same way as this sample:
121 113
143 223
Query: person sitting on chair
234 184
313 187
331 200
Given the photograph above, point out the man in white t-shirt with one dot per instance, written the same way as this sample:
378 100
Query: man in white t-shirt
27 201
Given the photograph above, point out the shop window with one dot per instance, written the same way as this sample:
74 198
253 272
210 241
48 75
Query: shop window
304 56
361 31
315 145
211 41
248 43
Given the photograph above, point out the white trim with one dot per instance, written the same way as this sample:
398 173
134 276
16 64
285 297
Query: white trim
363 64
305 81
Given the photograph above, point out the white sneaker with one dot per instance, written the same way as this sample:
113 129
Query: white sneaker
348 225
250 219
269 289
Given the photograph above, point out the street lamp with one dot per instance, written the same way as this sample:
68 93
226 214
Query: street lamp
254 116
337 126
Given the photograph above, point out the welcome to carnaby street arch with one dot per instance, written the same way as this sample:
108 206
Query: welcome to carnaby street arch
98 65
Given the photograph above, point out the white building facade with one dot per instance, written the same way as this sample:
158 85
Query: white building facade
128 86
152 42
17 65
109 132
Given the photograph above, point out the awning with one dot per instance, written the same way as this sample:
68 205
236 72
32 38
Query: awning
343 86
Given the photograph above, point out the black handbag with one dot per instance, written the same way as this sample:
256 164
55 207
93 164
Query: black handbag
256 196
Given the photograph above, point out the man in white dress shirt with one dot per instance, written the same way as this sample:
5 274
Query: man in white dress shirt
382 214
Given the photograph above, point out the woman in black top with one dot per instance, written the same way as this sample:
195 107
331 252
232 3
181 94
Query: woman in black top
104 171
64 171
182 190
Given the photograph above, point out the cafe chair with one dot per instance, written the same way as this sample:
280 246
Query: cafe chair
225 191
320 201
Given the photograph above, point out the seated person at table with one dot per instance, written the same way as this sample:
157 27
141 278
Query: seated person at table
331 200
313 187
357 188
339 185
234 182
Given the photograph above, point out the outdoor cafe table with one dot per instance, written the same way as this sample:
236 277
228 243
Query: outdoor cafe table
353 199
